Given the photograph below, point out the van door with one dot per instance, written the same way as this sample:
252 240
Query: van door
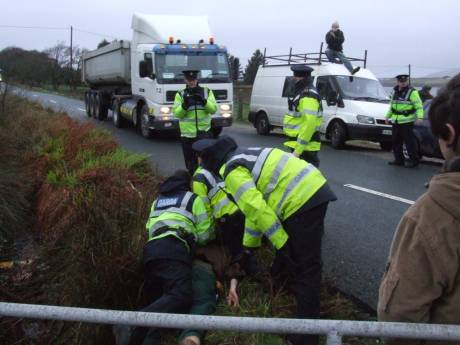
326 89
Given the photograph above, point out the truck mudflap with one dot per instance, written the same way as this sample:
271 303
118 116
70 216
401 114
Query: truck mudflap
220 121
160 124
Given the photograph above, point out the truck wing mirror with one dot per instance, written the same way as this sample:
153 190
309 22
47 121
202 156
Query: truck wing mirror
143 71
332 97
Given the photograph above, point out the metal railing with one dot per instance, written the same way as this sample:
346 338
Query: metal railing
333 329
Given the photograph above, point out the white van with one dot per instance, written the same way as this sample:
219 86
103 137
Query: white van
353 108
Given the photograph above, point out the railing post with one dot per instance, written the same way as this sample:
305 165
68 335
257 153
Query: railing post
265 52
365 58
290 54
333 338
320 52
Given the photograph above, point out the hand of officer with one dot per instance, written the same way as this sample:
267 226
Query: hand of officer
186 101
295 154
419 122
199 99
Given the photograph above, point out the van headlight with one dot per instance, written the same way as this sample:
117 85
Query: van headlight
165 110
225 108
368 120
226 115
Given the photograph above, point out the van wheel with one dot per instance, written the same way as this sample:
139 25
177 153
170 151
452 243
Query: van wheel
386 145
262 124
338 135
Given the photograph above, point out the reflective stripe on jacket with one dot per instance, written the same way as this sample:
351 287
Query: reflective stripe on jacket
303 125
269 185
405 106
212 189
179 214
189 122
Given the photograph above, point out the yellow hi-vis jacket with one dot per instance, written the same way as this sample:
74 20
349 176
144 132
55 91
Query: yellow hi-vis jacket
303 124
406 106
212 190
269 185
196 117
182 215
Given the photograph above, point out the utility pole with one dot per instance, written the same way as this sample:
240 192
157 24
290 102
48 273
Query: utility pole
71 46
409 74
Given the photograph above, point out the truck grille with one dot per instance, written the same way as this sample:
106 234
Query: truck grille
220 95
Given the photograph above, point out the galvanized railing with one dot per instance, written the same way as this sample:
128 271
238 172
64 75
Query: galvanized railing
334 330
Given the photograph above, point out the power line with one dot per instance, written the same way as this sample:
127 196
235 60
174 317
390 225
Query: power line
95 33
32 27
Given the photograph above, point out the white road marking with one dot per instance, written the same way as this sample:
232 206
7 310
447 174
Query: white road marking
81 109
384 195
52 101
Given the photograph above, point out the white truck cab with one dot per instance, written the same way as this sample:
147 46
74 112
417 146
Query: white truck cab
353 107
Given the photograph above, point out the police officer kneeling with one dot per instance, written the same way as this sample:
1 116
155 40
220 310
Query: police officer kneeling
194 106
284 199
405 108
177 221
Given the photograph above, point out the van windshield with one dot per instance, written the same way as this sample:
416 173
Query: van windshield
213 67
361 89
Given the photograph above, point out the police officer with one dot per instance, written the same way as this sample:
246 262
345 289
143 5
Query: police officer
194 106
301 124
178 219
405 108
284 199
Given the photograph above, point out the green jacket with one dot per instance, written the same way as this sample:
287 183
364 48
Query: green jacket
196 117
269 185
182 215
212 190
304 123
405 106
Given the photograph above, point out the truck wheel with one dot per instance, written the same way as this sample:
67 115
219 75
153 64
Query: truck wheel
386 145
117 119
144 123
104 108
338 135
262 124
216 132
88 103
92 104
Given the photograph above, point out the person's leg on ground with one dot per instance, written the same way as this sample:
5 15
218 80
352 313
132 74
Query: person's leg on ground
190 159
411 144
397 140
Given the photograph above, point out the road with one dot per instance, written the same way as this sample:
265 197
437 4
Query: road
372 196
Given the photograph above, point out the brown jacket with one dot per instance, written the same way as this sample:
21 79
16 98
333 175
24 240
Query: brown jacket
422 279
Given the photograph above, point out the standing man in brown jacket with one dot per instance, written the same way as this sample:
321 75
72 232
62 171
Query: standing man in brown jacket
422 279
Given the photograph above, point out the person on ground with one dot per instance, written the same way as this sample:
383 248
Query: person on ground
421 282
302 122
178 220
193 106
405 108
334 51
425 94
284 199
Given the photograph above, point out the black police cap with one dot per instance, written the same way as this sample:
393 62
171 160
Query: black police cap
203 144
402 77
191 74
301 70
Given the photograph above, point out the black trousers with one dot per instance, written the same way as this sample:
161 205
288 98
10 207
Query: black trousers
168 283
303 265
404 134
190 158
310 157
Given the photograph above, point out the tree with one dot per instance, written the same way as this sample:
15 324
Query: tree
235 67
103 43
254 62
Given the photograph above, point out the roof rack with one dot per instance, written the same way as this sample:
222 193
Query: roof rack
303 58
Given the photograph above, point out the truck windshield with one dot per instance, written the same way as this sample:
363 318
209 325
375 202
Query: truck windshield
361 89
213 67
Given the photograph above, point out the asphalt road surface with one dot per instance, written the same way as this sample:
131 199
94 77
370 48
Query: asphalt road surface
372 196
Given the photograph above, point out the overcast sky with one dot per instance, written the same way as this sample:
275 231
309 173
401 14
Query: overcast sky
424 33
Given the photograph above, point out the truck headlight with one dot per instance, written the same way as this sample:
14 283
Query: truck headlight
165 110
226 115
225 108
368 120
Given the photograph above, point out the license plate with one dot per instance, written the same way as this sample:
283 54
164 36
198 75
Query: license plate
386 132
168 124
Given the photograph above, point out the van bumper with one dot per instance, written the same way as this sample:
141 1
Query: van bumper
220 121
371 133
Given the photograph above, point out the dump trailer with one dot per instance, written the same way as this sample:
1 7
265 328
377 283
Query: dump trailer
137 80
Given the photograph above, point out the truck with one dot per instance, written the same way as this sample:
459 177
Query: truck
353 107
137 80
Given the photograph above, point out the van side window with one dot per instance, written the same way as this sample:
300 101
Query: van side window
324 87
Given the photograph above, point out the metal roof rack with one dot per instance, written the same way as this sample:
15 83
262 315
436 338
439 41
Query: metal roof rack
303 58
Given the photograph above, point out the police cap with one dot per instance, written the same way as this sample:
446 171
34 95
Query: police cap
301 70
402 77
191 74
203 144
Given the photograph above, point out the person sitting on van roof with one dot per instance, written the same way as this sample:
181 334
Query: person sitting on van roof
334 51
301 124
